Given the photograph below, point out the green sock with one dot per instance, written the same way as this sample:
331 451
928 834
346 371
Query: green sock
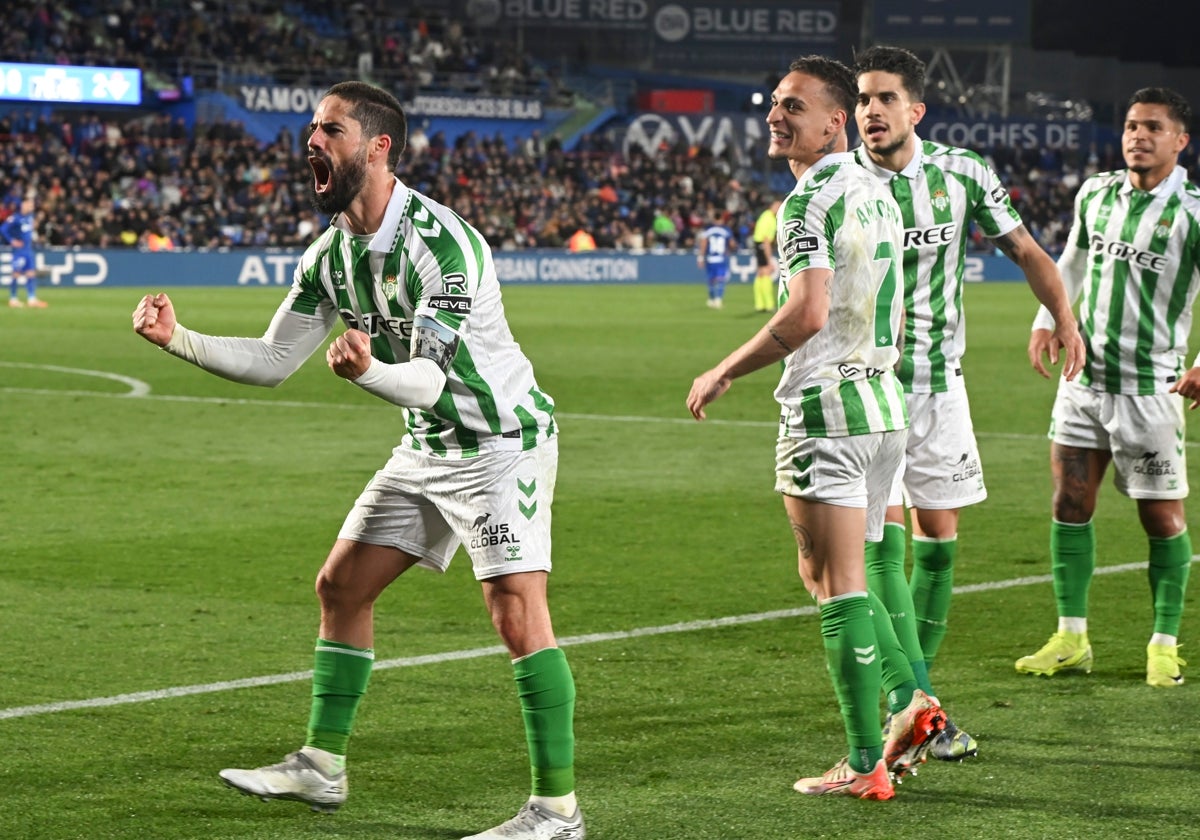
1170 564
931 586
885 578
547 693
898 681
851 652
340 676
1072 561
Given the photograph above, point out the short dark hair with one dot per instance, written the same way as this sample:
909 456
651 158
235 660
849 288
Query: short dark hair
898 60
377 111
1177 107
840 84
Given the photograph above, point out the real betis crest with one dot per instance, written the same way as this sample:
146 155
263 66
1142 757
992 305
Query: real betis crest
1163 229
940 201
390 286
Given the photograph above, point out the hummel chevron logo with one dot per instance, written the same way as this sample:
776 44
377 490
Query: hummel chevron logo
802 466
527 490
432 231
864 656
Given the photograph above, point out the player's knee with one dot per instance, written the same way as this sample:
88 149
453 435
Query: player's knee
336 590
1072 508
1162 520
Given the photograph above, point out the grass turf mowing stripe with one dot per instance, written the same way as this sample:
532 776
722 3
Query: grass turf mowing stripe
494 650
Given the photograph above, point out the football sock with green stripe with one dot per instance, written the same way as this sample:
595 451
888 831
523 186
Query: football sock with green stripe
546 690
340 676
1072 562
852 655
1170 565
898 681
886 579
932 585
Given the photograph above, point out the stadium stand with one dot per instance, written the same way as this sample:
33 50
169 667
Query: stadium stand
121 179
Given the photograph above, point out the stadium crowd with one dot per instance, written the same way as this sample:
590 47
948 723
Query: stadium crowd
156 182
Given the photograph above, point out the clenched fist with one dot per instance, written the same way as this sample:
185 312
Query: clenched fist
350 354
154 319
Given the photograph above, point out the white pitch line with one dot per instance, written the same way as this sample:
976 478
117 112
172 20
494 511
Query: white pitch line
137 388
495 650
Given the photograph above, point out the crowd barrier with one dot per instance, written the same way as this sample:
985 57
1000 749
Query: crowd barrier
248 267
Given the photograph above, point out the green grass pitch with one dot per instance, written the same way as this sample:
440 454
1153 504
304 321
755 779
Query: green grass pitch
162 528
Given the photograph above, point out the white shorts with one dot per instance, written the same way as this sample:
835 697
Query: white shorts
497 505
942 469
853 471
1145 435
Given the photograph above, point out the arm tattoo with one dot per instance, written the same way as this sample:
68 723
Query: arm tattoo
1008 243
778 340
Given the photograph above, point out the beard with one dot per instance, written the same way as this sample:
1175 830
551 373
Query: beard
344 185
891 148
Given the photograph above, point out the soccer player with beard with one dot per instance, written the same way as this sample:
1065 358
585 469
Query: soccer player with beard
1133 258
940 190
417 290
842 430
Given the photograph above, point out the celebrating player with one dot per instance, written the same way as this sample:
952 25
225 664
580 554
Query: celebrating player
1133 255
940 190
842 432
417 289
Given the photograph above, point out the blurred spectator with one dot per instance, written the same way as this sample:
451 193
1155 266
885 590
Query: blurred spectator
106 182
581 240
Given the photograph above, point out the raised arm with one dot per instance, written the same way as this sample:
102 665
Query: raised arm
290 338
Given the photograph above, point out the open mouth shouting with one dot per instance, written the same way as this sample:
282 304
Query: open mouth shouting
322 174
333 189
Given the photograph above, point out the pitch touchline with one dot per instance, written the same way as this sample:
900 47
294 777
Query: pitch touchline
494 650
141 390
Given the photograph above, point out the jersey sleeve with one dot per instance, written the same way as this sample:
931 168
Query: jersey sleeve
1072 263
805 237
991 207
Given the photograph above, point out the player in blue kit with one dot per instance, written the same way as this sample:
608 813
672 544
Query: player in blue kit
18 231
713 247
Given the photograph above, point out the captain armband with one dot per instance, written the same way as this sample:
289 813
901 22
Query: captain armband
434 341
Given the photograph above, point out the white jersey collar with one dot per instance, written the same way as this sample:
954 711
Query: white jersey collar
830 159
385 239
911 170
1166 186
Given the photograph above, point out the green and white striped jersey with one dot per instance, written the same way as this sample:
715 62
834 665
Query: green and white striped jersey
842 380
426 260
1135 257
940 191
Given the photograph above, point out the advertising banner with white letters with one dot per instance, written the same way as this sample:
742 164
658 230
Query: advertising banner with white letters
84 268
